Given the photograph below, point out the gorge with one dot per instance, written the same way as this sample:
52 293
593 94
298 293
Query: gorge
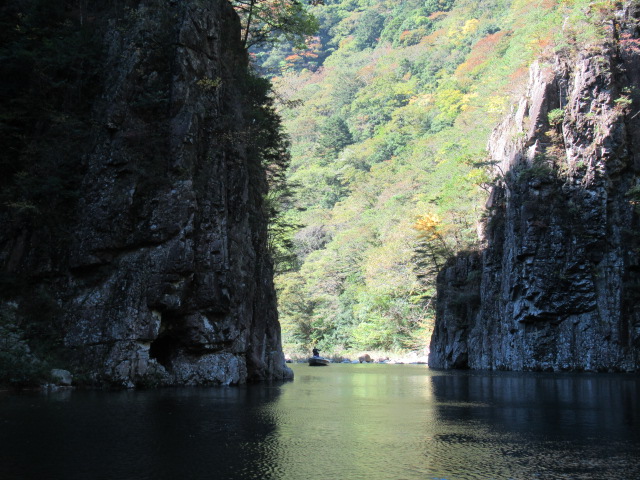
137 239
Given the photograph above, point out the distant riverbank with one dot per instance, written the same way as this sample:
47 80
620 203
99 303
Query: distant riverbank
400 358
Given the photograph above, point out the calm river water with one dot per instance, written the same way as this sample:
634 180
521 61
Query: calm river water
342 422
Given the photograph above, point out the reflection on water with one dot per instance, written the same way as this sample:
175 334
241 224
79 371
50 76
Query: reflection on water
338 422
537 425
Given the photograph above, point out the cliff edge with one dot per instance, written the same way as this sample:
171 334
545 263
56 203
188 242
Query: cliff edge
556 287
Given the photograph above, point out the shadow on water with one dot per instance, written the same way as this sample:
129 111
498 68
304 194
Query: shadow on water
343 422
167 434
539 403
536 425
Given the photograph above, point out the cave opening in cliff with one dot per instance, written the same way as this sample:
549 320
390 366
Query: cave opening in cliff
163 348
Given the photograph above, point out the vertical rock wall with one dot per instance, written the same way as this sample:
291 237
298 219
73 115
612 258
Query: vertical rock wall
557 286
164 277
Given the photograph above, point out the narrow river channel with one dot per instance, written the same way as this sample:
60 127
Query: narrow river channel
342 422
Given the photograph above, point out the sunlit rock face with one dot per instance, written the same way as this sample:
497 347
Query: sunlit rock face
558 285
165 278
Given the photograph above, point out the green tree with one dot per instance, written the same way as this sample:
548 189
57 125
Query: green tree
270 21
334 135
438 5
368 31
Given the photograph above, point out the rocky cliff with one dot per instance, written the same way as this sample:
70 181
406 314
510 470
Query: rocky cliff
161 273
557 286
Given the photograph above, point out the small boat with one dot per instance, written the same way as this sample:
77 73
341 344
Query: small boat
318 361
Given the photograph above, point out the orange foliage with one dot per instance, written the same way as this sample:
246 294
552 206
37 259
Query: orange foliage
433 38
519 75
367 73
437 15
629 44
481 52
541 44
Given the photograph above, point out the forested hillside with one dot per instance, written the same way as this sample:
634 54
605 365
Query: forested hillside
389 109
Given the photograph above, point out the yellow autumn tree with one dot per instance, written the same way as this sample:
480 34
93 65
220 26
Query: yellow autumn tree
431 234
427 226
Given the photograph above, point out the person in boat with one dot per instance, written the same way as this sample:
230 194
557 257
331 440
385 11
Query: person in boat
316 353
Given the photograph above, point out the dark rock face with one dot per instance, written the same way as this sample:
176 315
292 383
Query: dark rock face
557 286
165 278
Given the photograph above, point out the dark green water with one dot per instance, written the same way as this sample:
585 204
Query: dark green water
343 422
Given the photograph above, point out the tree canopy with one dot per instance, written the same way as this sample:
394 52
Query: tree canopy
270 21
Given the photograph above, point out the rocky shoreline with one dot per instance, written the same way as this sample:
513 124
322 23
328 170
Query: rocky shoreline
415 358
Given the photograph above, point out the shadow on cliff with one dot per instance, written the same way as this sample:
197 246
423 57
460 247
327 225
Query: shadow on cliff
556 285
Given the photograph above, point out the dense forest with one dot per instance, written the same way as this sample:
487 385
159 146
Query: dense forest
389 109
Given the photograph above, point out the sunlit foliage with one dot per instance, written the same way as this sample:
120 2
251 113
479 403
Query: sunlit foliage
389 125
